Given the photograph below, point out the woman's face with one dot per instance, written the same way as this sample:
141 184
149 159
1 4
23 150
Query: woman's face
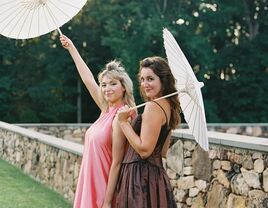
112 90
150 83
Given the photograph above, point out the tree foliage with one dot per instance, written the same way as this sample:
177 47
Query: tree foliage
224 41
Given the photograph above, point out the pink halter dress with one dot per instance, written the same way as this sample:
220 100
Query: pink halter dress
96 162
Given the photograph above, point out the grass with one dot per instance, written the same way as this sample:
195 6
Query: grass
17 190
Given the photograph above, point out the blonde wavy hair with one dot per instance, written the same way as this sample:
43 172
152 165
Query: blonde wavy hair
114 70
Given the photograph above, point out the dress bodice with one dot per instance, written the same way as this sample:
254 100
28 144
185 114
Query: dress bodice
155 158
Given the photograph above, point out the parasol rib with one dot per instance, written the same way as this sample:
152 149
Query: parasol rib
54 19
12 13
14 26
71 5
61 10
38 17
171 42
30 26
173 54
23 24
48 27
9 10
196 111
176 53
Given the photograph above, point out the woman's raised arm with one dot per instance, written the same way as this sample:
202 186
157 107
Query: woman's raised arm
83 70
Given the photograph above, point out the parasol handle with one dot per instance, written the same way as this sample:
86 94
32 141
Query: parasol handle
59 31
166 96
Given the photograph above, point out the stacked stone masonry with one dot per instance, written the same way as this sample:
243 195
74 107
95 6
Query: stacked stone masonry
54 167
75 133
224 177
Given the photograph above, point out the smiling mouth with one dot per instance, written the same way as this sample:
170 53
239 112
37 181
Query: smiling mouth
110 94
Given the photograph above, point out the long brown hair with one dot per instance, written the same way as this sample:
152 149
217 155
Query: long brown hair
161 68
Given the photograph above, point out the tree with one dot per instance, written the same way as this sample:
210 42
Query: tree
224 41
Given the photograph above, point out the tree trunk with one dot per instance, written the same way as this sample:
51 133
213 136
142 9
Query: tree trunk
253 25
79 101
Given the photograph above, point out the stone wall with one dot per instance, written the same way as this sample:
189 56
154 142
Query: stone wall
256 130
69 132
232 174
225 177
49 160
76 132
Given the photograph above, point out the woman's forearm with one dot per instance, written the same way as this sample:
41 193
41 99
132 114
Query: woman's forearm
82 68
133 139
86 75
112 181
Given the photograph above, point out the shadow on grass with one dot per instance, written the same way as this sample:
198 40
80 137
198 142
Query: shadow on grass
17 190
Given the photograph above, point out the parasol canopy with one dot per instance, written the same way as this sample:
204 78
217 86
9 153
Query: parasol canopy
24 19
189 89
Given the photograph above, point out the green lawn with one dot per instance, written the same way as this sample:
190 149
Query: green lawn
17 190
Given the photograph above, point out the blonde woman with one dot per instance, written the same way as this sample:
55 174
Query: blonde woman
104 141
